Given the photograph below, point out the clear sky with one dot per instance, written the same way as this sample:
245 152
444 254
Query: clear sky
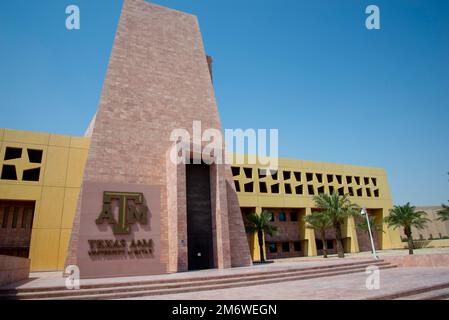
337 91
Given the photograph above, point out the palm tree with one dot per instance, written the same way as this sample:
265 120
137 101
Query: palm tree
407 217
260 224
338 208
443 213
321 222
362 224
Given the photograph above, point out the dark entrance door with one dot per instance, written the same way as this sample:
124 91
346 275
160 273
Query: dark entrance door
199 218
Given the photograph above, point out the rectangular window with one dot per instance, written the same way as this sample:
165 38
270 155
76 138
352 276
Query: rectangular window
15 217
282 216
297 245
26 218
285 247
293 216
273 247
319 244
5 217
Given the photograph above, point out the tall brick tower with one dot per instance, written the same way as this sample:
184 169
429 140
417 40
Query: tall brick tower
158 80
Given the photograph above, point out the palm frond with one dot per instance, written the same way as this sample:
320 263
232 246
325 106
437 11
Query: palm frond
337 207
443 213
318 221
255 223
406 217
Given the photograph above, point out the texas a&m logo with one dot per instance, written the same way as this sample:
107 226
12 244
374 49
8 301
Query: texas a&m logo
131 209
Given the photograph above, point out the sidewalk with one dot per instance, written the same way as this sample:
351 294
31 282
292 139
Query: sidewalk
346 287
55 279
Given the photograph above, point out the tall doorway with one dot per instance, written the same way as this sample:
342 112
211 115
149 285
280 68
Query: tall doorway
199 217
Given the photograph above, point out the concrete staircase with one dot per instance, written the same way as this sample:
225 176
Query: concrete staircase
193 284
434 292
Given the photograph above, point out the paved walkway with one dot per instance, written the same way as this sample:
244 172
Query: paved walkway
55 279
367 255
347 287
342 287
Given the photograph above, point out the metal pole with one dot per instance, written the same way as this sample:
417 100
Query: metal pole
364 212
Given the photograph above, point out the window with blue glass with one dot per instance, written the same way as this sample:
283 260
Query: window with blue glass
282 216
273 247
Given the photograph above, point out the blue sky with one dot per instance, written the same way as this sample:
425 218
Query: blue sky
337 91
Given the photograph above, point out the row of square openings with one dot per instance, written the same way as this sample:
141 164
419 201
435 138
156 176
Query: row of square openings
319 177
311 190
276 247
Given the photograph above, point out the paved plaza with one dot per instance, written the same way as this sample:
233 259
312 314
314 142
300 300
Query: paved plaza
347 287
322 279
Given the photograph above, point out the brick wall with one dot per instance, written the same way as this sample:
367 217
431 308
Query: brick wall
158 79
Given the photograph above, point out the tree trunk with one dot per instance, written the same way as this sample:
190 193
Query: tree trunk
408 233
260 237
323 239
340 249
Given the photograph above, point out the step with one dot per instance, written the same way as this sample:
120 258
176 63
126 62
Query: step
199 278
194 285
439 294
120 295
412 292
170 283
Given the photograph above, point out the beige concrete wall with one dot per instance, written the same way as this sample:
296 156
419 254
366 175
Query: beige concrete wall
55 194
435 229
369 187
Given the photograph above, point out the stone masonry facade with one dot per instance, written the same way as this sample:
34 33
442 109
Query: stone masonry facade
159 79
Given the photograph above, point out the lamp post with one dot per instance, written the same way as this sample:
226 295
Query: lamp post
363 212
